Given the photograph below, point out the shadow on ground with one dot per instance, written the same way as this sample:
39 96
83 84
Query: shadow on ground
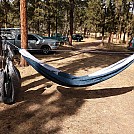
38 113
43 110
92 94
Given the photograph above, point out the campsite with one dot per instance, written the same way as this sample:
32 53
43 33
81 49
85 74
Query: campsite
66 67
46 107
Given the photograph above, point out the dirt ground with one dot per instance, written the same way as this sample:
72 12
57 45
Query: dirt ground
44 107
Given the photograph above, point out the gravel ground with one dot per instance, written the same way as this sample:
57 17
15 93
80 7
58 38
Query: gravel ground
44 107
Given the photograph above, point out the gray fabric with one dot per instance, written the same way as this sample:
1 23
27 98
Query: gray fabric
15 75
12 82
10 79
10 52
1 83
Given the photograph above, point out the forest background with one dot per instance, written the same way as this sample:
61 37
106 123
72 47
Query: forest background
108 17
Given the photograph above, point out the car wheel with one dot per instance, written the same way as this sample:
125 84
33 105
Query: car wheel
61 43
79 40
67 43
46 49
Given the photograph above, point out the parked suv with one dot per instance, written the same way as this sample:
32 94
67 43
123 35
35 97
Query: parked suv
131 44
59 37
77 37
35 42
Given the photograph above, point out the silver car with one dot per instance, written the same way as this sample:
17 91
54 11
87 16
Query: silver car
35 42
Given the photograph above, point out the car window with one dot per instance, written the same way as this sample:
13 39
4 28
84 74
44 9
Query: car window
132 40
56 34
39 37
31 37
19 37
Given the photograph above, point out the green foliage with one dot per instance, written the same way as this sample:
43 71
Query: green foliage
111 21
94 13
113 16
44 15
80 15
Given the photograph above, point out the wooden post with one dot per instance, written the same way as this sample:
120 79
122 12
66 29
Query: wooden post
23 18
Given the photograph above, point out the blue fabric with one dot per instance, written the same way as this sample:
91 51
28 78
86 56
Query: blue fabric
74 81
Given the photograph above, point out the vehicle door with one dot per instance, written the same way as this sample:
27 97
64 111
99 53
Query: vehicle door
17 41
32 41
132 42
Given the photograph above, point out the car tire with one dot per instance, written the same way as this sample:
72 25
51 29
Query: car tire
67 43
61 43
46 49
79 40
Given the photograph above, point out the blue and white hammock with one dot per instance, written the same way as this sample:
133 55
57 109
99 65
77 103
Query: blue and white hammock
69 80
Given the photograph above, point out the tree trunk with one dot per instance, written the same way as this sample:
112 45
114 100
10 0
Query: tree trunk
128 27
110 40
85 32
38 24
56 17
71 20
117 37
120 37
127 38
103 30
95 34
56 24
49 28
23 18
0 42
0 48
124 36
48 19
102 35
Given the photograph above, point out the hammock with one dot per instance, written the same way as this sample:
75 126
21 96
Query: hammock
69 80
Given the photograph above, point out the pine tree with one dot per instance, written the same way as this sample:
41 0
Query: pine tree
23 17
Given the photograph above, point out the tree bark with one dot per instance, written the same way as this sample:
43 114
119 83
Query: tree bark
23 18
120 37
71 20
0 42
117 37
110 40
85 32
48 19
0 48
56 18
124 37
102 35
